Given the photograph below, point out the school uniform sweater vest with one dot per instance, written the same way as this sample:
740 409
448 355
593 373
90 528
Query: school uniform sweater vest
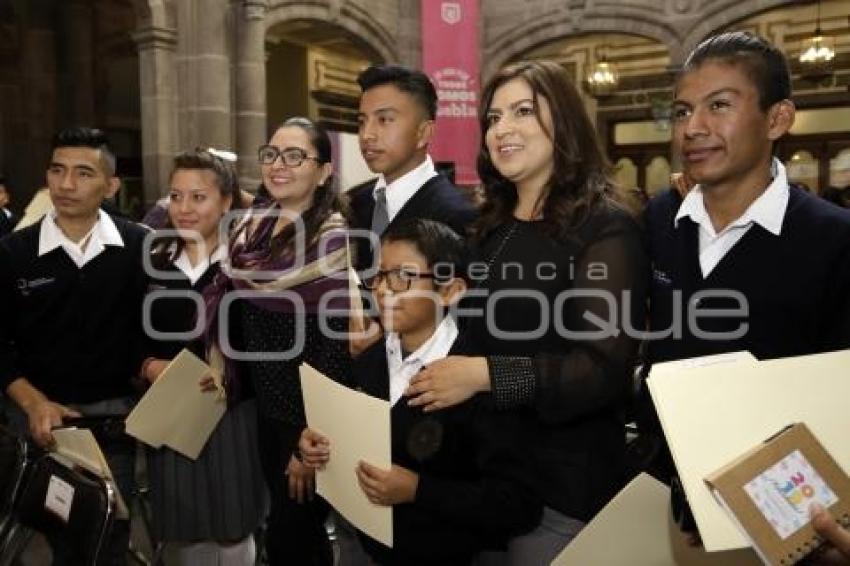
783 295
75 333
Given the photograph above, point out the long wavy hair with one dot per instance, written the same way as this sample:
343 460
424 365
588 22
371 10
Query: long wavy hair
325 198
580 178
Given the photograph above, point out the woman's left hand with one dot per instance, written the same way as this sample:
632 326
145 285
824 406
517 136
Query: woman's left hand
387 487
300 480
448 382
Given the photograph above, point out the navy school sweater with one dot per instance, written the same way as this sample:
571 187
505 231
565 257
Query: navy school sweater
74 333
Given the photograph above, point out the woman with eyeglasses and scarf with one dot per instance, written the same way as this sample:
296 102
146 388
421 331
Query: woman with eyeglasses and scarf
285 259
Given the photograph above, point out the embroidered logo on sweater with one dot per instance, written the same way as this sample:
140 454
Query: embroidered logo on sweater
25 287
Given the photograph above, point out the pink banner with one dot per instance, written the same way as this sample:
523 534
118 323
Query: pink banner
450 58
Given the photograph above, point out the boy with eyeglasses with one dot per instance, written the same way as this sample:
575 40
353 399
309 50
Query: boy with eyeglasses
455 480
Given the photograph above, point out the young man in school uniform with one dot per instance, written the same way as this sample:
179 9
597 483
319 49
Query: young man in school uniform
457 481
396 118
742 239
72 287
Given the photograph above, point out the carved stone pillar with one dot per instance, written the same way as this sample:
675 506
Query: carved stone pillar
250 89
157 77
78 54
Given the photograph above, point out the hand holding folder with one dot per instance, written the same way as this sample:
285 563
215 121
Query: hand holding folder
175 412
712 413
358 428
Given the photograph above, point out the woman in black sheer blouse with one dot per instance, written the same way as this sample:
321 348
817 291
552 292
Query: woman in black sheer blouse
563 275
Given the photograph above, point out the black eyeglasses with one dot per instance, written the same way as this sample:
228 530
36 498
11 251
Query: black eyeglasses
291 156
398 280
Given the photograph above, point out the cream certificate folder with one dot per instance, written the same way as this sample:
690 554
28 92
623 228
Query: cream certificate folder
713 413
175 412
80 447
636 529
358 428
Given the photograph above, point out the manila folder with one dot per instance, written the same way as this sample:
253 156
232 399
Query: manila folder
358 428
175 412
712 414
636 528
80 447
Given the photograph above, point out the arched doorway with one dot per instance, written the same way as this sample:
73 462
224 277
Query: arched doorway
311 70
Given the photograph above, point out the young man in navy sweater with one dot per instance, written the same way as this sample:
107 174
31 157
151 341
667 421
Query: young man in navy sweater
742 239
459 483
72 287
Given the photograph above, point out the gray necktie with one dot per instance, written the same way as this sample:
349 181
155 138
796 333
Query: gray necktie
380 216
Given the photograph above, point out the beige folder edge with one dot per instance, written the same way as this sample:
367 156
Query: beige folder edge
80 447
636 529
358 428
711 414
175 412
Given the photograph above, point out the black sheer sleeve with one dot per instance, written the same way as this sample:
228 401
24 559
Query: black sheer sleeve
602 316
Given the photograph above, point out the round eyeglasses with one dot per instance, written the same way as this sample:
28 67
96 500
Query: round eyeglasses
291 156
398 280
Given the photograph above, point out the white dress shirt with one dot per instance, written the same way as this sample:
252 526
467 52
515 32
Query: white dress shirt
103 233
402 370
402 189
768 210
194 272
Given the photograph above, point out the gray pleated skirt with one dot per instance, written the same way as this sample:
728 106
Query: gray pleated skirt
222 495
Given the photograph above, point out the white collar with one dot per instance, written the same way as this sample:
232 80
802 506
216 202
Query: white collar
402 189
768 210
194 273
402 370
103 233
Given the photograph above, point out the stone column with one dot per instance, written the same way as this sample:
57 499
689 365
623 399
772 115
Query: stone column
39 94
157 76
409 34
78 72
207 70
250 89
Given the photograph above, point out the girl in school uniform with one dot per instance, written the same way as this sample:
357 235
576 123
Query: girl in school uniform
208 508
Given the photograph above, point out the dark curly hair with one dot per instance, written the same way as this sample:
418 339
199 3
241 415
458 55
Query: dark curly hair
580 176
